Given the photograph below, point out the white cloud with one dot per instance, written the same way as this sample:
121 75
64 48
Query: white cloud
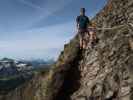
44 10
48 7
48 41
30 4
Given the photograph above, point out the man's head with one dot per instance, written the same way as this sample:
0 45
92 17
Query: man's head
82 11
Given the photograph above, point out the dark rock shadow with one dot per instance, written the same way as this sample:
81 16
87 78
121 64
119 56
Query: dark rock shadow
71 80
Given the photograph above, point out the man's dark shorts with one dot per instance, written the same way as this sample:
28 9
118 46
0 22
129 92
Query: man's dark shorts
82 32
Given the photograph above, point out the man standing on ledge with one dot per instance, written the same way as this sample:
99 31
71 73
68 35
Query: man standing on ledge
82 26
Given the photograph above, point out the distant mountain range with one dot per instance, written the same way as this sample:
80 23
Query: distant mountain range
10 67
38 62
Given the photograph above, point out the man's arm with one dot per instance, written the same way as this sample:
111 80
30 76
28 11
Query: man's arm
77 22
89 22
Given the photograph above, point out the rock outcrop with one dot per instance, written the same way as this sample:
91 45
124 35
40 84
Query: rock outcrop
102 73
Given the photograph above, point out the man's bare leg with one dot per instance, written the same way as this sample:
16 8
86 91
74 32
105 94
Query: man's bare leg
81 43
84 44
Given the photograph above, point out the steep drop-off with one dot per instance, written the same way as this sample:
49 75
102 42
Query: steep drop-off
102 73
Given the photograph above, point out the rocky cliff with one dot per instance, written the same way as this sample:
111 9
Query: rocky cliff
105 72
102 73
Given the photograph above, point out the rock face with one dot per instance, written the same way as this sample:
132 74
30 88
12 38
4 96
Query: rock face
116 12
102 73
105 72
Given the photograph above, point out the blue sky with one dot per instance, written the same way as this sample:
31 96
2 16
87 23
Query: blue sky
40 28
